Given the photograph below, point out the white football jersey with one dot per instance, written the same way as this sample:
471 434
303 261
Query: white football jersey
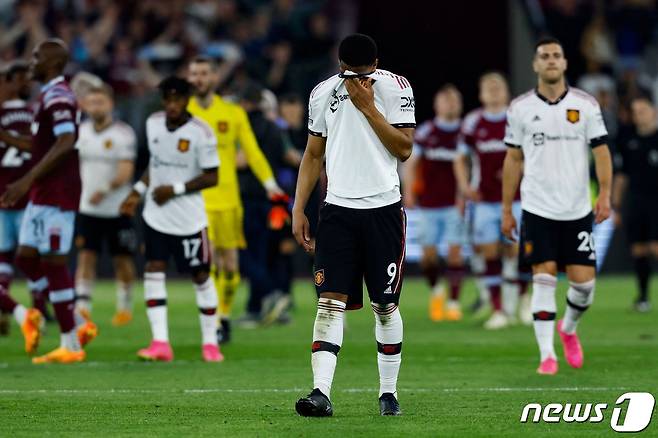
556 138
361 172
178 157
100 154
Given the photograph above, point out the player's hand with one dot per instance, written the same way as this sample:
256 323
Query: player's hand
617 218
15 191
471 195
129 205
460 204
409 200
361 93
273 192
162 194
602 209
508 226
97 197
302 231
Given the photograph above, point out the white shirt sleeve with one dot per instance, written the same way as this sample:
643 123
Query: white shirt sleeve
207 155
127 148
400 104
595 130
317 125
513 129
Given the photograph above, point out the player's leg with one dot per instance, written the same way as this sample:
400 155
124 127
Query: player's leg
385 249
338 276
194 256
122 246
638 231
539 248
157 253
85 276
641 251
455 237
510 287
8 242
227 284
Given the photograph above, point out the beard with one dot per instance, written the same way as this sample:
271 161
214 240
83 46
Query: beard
551 79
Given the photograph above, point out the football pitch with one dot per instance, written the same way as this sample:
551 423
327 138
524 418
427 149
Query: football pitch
456 379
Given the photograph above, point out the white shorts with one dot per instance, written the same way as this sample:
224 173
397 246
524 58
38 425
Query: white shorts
441 225
10 225
48 229
487 220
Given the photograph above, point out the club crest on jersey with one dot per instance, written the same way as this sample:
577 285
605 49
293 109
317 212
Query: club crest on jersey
319 277
222 126
573 115
183 145
108 144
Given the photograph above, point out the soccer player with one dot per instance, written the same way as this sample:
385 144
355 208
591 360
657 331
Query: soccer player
183 162
231 127
483 133
107 153
15 120
429 182
46 232
550 133
638 172
363 118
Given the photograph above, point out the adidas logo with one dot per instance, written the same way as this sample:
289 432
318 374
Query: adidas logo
592 256
388 290
536 119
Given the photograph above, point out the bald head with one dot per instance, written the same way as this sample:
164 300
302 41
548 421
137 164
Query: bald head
49 59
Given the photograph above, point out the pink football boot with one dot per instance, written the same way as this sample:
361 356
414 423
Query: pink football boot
157 351
573 352
548 367
211 353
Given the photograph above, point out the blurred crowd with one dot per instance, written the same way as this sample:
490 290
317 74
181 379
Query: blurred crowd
612 49
287 45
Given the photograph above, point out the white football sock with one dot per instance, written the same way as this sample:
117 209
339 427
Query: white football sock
388 332
510 287
70 341
83 290
543 310
20 312
327 340
124 297
155 294
579 297
206 300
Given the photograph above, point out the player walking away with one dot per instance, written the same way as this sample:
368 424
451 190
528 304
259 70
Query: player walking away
550 133
483 133
183 161
638 171
107 153
231 127
364 119
15 120
429 183
46 232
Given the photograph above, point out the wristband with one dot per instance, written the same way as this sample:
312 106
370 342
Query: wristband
179 189
140 187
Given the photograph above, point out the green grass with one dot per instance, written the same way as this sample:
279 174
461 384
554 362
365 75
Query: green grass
456 379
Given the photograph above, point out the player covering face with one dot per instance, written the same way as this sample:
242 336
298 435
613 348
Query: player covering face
551 132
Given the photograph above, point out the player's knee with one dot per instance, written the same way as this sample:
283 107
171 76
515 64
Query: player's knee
155 266
642 249
549 268
385 313
334 296
200 275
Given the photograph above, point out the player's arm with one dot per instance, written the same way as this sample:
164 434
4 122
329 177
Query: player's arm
603 166
21 142
255 157
409 177
398 141
125 172
309 173
64 145
129 205
512 171
460 167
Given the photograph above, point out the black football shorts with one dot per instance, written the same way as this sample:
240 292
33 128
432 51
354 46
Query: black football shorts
117 232
642 219
564 242
191 253
353 245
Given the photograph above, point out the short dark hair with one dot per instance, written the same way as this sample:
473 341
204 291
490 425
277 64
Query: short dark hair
357 50
547 40
252 92
449 86
175 85
641 96
205 59
291 98
15 68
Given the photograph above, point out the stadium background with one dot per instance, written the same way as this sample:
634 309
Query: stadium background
288 46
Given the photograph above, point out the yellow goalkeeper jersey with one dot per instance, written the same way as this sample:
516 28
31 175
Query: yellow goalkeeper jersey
232 128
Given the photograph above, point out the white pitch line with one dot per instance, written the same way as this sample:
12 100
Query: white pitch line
296 390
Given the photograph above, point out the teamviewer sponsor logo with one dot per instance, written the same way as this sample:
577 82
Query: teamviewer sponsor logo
633 416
